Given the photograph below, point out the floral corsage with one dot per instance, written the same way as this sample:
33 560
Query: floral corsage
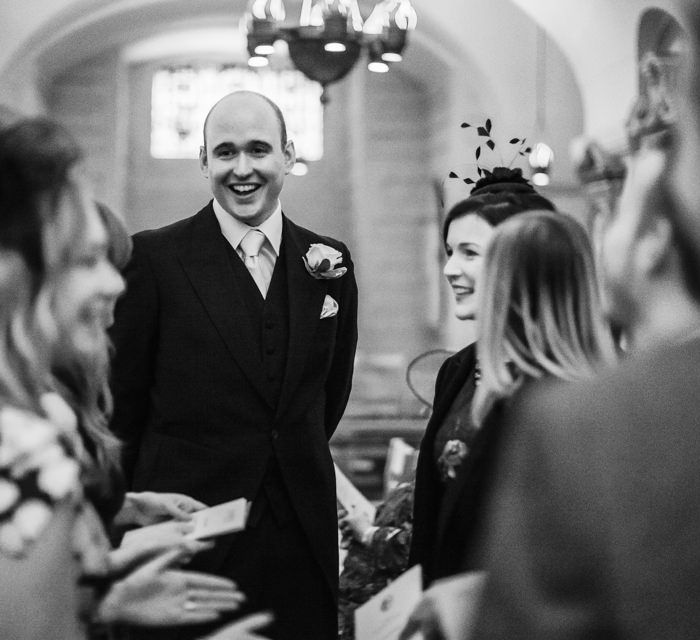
321 261
452 455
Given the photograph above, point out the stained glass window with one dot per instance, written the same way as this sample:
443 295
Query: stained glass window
182 96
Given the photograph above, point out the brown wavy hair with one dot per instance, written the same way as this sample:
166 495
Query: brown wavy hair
43 212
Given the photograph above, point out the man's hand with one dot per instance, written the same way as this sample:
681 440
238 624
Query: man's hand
149 507
447 609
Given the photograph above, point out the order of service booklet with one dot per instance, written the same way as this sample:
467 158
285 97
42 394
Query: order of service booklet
384 616
221 519
218 520
350 497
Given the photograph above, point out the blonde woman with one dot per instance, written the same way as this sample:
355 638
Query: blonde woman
540 308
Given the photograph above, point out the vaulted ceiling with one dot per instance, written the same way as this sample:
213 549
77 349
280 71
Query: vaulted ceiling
489 44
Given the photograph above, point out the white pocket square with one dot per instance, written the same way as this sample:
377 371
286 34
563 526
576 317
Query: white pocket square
330 308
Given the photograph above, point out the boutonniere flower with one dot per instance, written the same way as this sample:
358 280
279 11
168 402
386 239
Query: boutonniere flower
321 261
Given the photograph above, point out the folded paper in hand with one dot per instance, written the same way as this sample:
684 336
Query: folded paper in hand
385 615
221 519
350 498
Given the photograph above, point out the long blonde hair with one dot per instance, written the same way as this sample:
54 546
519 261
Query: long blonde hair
36 157
540 311
24 360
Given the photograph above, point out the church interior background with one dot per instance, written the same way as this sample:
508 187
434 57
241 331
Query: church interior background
378 155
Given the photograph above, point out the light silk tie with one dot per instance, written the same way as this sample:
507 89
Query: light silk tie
251 244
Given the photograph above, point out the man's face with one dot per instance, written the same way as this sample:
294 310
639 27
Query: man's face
625 281
244 159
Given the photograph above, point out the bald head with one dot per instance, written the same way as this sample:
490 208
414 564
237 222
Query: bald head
256 100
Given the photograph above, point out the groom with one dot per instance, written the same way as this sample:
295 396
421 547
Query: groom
234 345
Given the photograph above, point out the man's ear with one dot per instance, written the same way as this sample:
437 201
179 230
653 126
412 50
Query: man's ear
203 165
290 156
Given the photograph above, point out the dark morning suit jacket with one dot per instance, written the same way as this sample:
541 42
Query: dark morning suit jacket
206 404
445 531
596 518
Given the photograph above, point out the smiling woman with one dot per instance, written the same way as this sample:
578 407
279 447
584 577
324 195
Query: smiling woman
44 513
466 242
58 463
446 456
89 285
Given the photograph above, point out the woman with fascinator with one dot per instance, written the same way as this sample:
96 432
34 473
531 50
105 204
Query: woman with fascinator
378 553
449 467
540 314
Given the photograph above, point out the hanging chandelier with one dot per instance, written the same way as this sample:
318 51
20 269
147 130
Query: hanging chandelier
330 36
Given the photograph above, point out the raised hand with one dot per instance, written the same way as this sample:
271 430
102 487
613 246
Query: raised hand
161 537
143 544
149 507
446 610
157 594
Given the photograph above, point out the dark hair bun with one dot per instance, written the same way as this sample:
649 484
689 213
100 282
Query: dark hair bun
503 179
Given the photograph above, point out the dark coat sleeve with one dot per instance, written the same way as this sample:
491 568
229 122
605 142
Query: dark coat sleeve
339 379
134 336
425 507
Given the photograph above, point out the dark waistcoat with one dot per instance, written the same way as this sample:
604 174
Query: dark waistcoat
270 316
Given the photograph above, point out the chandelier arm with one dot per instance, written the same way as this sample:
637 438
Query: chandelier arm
325 50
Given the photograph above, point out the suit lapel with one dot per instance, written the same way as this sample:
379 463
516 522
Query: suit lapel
204 257
306 297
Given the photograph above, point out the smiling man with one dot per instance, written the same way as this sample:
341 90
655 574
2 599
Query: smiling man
234 345
246 156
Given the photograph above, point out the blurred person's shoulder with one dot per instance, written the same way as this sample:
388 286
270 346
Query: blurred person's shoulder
173 235
644 390
166 231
